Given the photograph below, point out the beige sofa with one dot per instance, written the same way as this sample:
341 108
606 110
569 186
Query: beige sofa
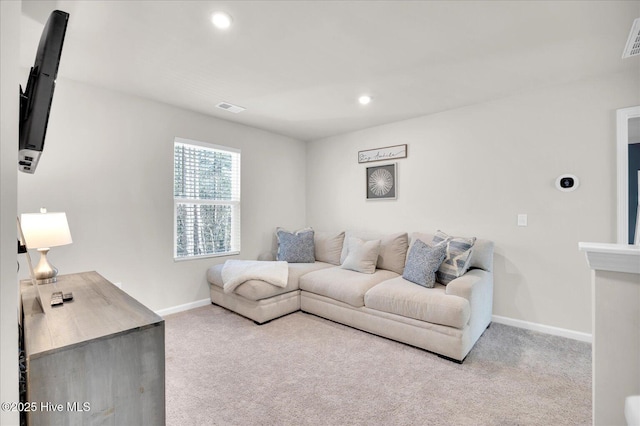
446 320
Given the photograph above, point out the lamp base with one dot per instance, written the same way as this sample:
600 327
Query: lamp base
44 272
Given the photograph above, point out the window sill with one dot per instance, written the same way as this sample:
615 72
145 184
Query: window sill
205 256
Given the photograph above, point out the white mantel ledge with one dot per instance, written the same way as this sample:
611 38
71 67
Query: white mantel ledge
612 257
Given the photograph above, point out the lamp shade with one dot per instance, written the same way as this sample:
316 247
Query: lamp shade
45 230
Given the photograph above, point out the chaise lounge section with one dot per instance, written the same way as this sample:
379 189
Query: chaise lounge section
375 296
259 300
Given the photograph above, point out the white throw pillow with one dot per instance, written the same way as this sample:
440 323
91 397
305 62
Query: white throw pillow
362 256
393 248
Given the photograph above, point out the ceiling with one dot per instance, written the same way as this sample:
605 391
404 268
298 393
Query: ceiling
298 67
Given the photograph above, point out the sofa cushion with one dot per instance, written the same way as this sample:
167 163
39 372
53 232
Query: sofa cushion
422 263
401 297
482 255
363 255
458 257
393 252
328 246
393 249
257 290
342 284
296 247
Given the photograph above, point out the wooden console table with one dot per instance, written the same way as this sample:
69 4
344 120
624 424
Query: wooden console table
96 360
616 328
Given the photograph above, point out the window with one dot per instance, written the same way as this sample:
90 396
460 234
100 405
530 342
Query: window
206 199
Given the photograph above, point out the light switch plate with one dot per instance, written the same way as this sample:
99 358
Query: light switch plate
522 219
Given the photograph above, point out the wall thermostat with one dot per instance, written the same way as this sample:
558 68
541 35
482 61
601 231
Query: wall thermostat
567 183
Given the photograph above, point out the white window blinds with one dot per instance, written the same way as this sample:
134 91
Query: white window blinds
206 190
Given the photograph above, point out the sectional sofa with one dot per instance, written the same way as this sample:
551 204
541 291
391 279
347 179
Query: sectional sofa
338 279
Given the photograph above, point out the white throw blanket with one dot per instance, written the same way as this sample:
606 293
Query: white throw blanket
236 272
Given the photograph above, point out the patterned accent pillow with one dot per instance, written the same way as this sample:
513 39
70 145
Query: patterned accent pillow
423 262
363 255
458 257
296 247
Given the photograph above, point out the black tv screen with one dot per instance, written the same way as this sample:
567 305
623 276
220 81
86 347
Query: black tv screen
35 100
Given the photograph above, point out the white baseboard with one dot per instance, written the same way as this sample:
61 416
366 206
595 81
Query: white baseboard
185 307
555 331
547 329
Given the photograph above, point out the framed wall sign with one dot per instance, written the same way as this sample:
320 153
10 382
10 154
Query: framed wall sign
382 182
382 154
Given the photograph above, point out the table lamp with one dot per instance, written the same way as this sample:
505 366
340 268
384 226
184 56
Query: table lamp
42 231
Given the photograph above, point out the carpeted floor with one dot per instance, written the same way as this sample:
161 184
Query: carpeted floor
222 369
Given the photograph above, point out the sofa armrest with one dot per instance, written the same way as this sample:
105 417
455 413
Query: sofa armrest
469 283
477 287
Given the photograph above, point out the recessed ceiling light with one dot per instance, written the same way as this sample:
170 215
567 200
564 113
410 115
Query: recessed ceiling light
364 99
230 107
221 20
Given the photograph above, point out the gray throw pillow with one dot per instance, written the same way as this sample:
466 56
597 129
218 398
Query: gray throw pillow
423 262
456 263
296 247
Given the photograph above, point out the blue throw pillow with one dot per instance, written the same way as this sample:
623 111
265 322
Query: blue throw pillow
423 262
296 247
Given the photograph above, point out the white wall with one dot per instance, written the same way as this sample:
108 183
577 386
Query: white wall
9 80
108 163
470 171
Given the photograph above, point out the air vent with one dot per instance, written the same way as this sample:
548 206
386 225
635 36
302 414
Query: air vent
633 43
230 107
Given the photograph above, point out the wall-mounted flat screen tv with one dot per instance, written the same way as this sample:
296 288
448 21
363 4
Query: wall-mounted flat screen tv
35 100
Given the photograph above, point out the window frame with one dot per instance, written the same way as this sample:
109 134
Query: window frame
235 204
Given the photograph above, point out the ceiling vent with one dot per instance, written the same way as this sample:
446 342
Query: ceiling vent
633 43
230 107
